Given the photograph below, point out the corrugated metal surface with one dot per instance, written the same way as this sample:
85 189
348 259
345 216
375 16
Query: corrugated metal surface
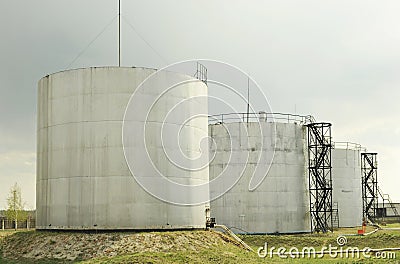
281 201
83 181
346 183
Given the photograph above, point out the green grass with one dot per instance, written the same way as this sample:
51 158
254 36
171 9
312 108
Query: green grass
227 254
381 239
395 225
231 253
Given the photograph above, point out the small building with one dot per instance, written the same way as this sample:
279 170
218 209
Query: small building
388 210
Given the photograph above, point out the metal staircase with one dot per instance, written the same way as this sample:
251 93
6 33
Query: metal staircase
369 167
386 200
320 176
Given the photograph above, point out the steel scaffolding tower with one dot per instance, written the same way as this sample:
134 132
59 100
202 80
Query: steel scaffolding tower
369 168
320 176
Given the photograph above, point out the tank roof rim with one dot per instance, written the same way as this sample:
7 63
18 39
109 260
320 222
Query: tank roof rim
98 67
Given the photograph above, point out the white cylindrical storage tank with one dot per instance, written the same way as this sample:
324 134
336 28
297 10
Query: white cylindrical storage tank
346 183
83 180
280 204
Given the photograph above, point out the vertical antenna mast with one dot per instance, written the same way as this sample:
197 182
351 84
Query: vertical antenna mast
119 33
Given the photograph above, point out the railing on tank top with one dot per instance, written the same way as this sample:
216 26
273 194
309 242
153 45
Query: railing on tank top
201 72
260 117
349 146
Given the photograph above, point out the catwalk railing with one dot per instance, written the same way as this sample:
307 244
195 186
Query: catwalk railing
260 117
349 146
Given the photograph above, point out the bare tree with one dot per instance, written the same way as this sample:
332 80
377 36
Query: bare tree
15 206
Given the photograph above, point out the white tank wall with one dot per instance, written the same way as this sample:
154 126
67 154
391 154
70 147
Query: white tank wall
83 181
281 202
346 183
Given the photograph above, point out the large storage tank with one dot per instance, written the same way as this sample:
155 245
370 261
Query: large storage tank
280 204
83 181
346 183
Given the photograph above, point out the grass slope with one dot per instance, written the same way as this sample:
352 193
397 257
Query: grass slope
380 239
176 247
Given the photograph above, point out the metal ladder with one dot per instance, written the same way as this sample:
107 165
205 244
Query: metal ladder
335 214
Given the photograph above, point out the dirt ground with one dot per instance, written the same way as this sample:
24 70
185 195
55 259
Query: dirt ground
80 246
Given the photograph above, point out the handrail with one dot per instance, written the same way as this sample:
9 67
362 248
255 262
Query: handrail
386 197
230 232
349 146
260 117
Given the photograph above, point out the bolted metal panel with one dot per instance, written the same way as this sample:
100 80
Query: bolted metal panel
320 176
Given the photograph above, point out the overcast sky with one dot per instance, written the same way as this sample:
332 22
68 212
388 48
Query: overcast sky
337 60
